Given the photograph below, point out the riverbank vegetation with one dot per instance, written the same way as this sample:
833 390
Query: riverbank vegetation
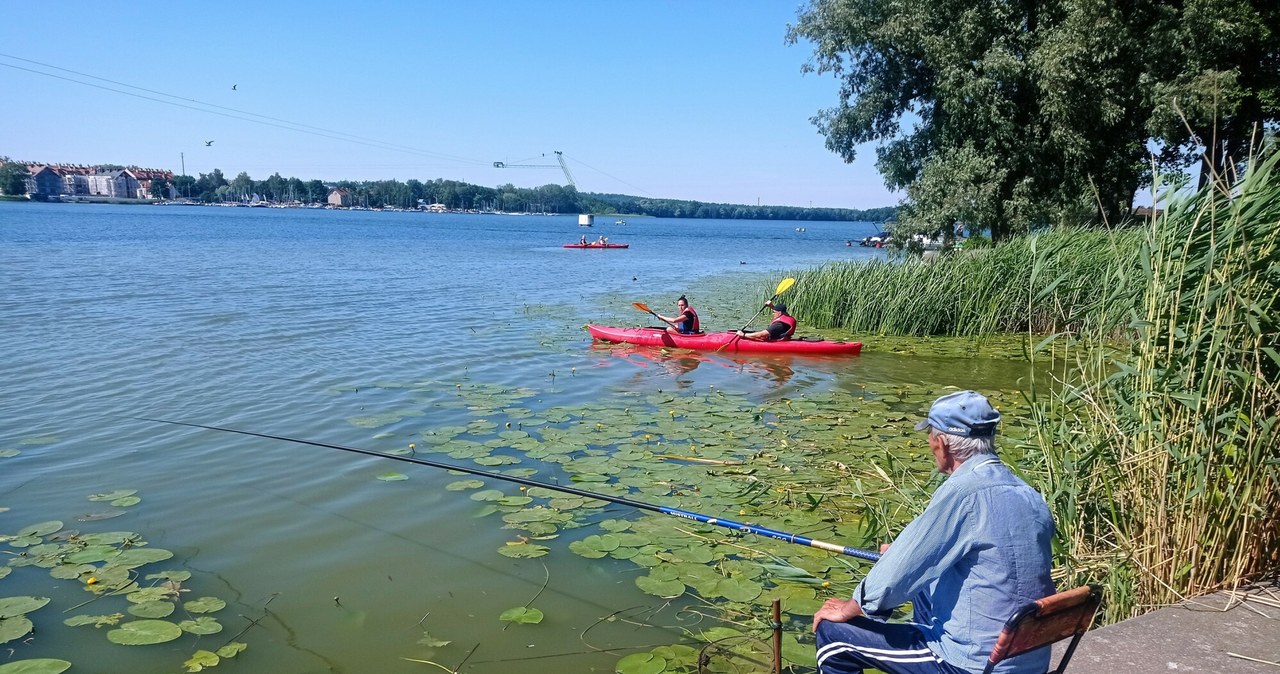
1155 441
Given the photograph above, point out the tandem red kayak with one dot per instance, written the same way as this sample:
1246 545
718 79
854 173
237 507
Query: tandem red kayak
712 341
597 245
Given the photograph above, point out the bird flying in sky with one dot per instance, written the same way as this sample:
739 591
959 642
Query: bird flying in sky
233 87
207 143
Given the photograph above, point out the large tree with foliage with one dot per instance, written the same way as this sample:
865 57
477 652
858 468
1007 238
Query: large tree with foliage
13 177
1007 115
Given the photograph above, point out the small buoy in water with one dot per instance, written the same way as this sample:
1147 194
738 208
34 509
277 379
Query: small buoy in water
743 262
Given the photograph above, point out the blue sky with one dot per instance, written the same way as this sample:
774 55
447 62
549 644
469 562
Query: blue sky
690 100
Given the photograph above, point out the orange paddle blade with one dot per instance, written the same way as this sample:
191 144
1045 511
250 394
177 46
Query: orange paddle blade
642 307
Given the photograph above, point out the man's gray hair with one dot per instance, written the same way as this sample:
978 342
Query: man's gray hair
963 448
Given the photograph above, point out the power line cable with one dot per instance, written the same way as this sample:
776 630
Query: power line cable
579 161
241 115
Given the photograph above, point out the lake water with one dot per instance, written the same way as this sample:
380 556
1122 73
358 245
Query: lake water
361 329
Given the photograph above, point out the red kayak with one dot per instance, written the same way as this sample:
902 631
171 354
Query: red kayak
597 245
712 341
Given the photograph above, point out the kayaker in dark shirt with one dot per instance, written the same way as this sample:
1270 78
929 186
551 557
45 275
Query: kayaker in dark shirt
684 323
782 327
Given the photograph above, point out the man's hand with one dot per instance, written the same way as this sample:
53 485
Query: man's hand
837 611
741 333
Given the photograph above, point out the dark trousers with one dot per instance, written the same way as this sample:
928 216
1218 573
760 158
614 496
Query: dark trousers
893 648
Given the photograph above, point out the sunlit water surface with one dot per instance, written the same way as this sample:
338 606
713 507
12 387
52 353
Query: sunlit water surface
296 322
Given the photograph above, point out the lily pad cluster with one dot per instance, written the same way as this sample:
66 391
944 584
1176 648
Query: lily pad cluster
141 608
842 466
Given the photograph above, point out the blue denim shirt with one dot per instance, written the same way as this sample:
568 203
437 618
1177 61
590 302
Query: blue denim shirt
978 552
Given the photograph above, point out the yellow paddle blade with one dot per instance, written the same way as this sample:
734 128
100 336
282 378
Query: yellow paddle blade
784 286
642 307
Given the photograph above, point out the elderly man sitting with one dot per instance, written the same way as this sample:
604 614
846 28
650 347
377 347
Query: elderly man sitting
978 552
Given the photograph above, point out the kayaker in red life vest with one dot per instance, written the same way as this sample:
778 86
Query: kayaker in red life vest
686 322
782 327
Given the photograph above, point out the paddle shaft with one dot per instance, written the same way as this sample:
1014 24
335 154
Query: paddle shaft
674 512
782 287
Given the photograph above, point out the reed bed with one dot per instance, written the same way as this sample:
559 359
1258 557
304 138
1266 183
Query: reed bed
1161 464
1046 283
1154 437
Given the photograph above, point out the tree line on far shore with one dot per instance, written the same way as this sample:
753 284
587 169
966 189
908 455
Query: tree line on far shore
213 187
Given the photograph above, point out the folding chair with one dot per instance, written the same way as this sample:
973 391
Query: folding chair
1047 621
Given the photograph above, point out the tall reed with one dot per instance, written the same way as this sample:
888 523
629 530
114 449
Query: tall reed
1048 282
1161 464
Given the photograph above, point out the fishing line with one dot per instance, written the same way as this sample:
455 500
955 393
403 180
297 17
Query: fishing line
674 512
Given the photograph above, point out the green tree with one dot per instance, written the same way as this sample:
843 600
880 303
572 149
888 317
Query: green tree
185 186
1220 89
1008 115
241 187
316 191
13 178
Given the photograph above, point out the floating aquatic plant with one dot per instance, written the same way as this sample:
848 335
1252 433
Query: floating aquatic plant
106 565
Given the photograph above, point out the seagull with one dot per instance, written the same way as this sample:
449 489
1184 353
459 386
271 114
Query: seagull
233 87
207 143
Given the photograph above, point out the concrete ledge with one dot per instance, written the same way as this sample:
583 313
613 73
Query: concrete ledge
1194 636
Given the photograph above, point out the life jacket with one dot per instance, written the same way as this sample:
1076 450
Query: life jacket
684 327
791 326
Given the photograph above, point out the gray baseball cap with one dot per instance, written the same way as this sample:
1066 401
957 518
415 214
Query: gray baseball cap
964 413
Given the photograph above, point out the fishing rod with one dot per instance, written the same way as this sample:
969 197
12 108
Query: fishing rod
674 512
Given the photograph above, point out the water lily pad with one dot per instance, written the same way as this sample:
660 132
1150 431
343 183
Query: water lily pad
393 477
112 538
150 594
9 453
95 620
175 576
14 628
202 625
461 485
152 609
737 590
102 515
488 495
16 606
41 529
35 666
515 500
496 460
641 663
523 550
205 605
666 589
91 554
5 570
232 649
134 557
201 659
144 633
113 495
521 614
126 501
432 642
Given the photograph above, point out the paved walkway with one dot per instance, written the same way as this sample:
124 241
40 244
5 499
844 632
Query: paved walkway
1200 635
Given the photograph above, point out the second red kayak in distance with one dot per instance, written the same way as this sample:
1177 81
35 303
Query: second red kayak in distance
597 245
713 341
